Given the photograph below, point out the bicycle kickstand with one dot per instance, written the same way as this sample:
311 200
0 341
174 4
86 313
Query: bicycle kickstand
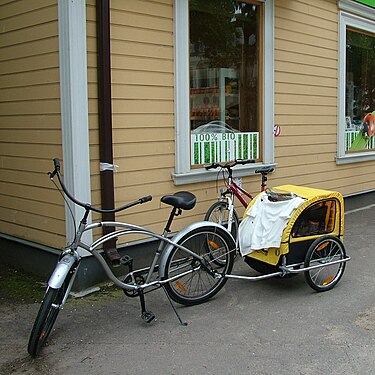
147 316
174 308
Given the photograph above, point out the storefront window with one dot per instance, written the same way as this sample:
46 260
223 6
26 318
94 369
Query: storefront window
360 91
225 80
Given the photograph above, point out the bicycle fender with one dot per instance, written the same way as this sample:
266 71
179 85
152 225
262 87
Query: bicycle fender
61 270
169 247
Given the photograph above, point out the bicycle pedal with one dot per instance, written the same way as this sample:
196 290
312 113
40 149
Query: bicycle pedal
148 316
126 260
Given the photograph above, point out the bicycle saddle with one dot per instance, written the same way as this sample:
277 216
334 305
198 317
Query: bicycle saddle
182 199
265 170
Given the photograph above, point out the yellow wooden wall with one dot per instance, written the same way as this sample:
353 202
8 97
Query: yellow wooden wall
306 99
30 132
306 83
143 105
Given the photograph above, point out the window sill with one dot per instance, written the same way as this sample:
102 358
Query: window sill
355 158
202 175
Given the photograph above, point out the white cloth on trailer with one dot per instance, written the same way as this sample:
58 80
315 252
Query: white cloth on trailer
264 223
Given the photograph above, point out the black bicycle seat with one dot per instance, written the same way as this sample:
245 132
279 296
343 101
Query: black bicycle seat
182 199
265 170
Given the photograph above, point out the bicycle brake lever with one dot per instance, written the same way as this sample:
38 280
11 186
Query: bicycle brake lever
56 163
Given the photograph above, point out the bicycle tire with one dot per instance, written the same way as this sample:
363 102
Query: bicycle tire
218 213
47 315
199 285
324 250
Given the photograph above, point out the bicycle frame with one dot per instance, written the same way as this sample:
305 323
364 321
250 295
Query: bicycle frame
239 192
71 258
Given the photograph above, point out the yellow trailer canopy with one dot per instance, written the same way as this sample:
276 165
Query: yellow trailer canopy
321 213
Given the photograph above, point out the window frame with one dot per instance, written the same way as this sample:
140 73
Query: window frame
183 173
360 17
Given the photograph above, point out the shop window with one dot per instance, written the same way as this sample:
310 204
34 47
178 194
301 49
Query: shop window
225 80
224 84
357 83
360 91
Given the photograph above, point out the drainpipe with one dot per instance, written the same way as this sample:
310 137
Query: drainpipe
105 120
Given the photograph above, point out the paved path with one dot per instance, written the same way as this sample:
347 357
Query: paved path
278 326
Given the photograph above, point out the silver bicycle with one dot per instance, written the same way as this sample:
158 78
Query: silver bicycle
190 267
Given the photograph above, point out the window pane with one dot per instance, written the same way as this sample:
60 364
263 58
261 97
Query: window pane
225 49
360 91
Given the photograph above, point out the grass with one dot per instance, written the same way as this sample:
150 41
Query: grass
19 287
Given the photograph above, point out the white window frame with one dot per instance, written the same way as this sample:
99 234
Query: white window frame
360 17
183 173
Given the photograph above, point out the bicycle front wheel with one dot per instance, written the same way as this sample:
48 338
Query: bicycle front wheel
324 251
47 315
198 283
219 213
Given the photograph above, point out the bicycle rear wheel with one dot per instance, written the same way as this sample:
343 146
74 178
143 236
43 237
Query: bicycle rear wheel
219 213
217 247
47 315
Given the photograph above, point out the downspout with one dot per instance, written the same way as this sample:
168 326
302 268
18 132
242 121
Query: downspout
105 120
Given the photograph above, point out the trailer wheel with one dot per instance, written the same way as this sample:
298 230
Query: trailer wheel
322 252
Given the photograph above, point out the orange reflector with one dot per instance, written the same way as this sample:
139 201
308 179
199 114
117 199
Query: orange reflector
328 280
180 286
322 246
213 244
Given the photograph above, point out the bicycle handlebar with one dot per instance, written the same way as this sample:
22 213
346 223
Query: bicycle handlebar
87 206
229 164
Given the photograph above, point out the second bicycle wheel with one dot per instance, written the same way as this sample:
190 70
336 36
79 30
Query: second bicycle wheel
219 213
198 284
47 315
324 251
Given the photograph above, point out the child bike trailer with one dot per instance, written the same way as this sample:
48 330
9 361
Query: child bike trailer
311 229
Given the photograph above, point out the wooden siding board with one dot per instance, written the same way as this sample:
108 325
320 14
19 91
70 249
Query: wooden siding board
306 69
316 40
30 78
162 9
48 194
132 48
14 9
142 106
33 107
119 18
142 77
307 110
30 93
300 89
138 120
27 34
44 136
308 100
142 63
143 136
304 79
143 36
38 121
150 148
53 239
44 151
307 14
297 150
298 58
37 47
305 50
139 92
